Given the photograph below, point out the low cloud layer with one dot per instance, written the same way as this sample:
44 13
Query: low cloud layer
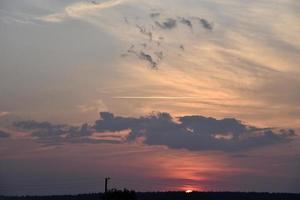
4 134
196 133
58 134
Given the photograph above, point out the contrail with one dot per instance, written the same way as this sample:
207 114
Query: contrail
154 97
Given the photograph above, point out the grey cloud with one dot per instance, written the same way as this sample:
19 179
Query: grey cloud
154 56
58 134
168 24
160 55
84 130
49 130
195 133
126 20
241 156
31 125
148 58
108 122
4 134
42 129
55 141
181 47
206 24
186 22
145 32
94 2
154 15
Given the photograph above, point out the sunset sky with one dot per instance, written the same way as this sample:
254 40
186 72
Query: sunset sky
158 95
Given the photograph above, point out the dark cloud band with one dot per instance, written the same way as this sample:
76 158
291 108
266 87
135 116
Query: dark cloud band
195 133
4 134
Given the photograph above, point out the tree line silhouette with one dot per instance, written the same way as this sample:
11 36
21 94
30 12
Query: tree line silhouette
132 195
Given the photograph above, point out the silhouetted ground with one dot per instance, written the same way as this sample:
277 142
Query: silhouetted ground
130 195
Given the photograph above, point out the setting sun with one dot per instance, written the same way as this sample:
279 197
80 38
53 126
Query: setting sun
188 191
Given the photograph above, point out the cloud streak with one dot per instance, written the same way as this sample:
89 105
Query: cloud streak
79 9
155 97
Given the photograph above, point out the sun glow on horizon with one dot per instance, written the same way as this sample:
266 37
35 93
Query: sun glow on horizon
191 188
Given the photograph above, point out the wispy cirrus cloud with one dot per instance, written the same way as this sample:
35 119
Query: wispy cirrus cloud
242 67
79 9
